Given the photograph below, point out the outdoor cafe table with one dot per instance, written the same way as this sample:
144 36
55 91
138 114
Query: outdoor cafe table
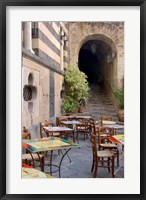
83 117
117 139
106 122
33 173
76 116
73 123
116 126
50 144
113 125
60 129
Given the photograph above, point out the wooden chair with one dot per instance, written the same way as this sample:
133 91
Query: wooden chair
83 128
104 133
44 132
26 136
48 134
42 125
63 134
29 158
60 119
104 159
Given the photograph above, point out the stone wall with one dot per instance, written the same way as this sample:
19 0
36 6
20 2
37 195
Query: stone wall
111 34
44 56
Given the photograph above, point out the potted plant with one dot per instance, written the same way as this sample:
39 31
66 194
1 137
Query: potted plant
77 89
119 95
70 105
82 104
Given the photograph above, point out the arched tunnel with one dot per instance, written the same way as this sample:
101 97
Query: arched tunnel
97 61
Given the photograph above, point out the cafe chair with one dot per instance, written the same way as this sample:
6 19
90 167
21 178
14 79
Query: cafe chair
84 128
29 158
63 135
101 158
104 133
25 134
44 133
97 124
59 119
42 125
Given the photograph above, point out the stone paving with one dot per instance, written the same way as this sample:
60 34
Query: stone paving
81 158
81 162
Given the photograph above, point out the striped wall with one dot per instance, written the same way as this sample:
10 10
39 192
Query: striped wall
44 55
46 42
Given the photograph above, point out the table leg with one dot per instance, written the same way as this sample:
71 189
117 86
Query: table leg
67 155
51 162
73 133
61 161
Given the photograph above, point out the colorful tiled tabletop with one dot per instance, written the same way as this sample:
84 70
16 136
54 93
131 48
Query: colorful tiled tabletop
47 144
118 139
28 173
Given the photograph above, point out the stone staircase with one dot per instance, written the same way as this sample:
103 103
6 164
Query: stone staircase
99 104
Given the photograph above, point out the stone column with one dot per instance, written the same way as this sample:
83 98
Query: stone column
27 36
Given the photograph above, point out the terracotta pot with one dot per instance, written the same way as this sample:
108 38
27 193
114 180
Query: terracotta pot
76 111
121 115
81 109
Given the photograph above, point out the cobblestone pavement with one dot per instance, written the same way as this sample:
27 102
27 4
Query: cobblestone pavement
81 162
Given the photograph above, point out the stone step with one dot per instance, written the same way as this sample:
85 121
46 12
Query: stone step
100 107
99 104
104 113
95 106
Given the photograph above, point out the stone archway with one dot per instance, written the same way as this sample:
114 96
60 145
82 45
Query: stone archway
97 59
110 35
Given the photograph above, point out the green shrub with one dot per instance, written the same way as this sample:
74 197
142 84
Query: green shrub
77 89
119 94
70 105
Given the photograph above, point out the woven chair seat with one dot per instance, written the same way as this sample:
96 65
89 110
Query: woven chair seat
56 134
109 145
28 157
104 154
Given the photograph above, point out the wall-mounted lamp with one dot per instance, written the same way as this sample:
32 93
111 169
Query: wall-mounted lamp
65 38
63 35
